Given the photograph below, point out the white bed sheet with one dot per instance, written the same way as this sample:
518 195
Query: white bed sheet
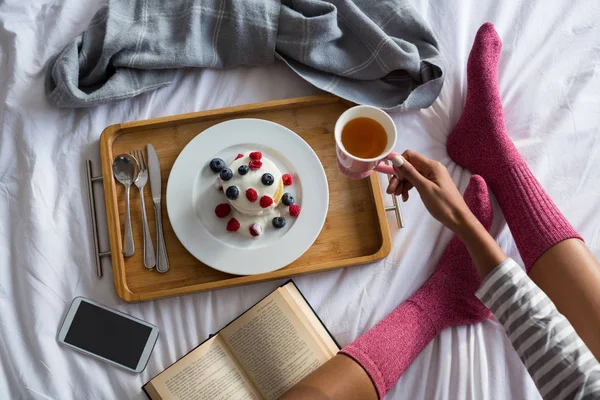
550 84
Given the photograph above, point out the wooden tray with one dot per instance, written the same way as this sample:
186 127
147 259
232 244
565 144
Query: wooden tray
355 231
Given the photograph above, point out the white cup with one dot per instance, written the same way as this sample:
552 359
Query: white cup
356 167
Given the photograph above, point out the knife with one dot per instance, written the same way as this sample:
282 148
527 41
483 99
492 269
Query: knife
162 261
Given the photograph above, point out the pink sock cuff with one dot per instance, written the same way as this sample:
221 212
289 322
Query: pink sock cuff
541 225
390 347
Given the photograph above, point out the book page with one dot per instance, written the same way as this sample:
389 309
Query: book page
208 372
273 346
295 298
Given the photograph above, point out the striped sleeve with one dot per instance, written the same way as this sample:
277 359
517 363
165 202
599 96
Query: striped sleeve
560 364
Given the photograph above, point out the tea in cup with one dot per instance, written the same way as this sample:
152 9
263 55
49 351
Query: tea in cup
365 136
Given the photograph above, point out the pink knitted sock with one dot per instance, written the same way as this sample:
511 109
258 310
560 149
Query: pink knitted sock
446 299
480 143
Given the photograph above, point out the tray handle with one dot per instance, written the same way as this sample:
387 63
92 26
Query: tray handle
90 183
395 207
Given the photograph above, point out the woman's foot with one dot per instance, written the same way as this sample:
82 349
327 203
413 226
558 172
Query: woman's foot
479 141
448 296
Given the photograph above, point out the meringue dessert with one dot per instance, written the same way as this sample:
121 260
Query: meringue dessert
254 188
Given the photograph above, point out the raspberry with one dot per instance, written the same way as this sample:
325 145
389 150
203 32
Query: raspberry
294 210
222 210
255 230
233 225
256 155
287 179
265 201
255 164
251 195
240 155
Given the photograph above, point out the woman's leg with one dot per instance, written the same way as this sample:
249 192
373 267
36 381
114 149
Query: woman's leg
570 275
339 378
553 252
385 351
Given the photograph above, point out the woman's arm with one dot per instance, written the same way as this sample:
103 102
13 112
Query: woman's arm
343 378
339 378
542 337
560 364
445 203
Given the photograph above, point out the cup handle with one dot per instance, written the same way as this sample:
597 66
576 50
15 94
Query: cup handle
395 158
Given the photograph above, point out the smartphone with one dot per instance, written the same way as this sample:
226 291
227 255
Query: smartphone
109 335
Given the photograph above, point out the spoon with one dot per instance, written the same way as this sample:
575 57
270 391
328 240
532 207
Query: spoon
124 169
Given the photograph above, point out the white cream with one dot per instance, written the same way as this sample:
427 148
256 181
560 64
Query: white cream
265 221
252 180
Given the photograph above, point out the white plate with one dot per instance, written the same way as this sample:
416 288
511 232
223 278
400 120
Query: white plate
192 197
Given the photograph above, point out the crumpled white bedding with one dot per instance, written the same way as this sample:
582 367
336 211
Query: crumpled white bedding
550 84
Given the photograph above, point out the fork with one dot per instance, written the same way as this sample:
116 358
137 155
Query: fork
140 182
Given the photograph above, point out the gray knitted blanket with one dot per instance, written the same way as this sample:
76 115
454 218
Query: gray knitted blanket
377 52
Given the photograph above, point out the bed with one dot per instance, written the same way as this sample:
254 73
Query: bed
549 81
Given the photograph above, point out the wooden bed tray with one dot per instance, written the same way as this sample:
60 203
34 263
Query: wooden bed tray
355 231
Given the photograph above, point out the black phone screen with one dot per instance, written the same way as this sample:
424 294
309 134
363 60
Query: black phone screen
108 335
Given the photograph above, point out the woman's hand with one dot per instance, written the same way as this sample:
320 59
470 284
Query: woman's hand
445 203
438 192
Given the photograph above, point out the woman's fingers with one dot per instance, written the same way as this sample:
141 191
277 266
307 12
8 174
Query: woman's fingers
407 189
413 172
393 185
405 193
409 172
400 188
419 161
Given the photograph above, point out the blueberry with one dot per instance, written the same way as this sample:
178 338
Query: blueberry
243 169
287 199
226 174
216 165
267 179
278 222
232 193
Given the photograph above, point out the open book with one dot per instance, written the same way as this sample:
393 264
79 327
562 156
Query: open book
260 355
